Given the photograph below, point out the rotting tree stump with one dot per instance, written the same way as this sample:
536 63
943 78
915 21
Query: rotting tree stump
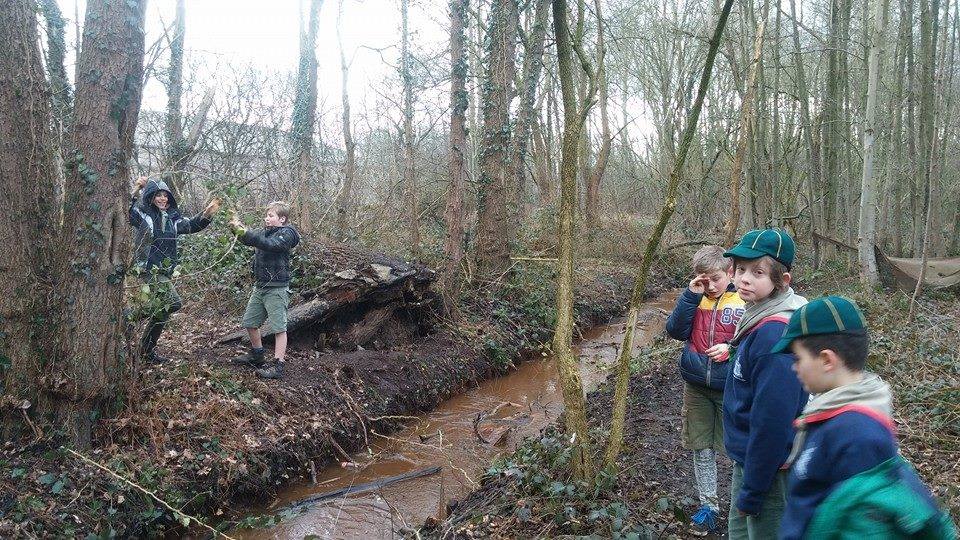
364 299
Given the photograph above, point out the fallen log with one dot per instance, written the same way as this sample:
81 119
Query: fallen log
367 486
357 288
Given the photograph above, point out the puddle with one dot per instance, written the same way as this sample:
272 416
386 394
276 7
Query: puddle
512 407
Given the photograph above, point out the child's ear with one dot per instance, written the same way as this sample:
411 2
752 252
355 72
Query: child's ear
831 360
786 279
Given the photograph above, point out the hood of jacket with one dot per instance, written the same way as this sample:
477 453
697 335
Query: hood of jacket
151 189
870 396
870 392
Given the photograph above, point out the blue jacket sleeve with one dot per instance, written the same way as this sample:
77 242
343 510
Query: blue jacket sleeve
778 397
680 322
192 225
277 243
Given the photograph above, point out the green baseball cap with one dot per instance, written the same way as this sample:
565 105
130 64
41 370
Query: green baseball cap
757 243
827 315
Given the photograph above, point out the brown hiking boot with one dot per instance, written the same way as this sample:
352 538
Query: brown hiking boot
254 358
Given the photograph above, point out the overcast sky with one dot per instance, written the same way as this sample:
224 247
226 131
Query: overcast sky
266 34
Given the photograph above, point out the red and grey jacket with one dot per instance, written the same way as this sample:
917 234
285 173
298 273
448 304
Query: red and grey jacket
704 322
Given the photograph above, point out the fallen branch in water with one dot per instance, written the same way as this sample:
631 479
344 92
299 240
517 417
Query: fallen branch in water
367 486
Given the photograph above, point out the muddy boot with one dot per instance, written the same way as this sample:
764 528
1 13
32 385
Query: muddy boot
148 344
254 358
273 371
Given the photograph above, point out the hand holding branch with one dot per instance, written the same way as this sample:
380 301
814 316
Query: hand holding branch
212 207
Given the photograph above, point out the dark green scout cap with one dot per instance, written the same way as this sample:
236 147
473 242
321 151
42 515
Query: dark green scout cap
757 243
827 315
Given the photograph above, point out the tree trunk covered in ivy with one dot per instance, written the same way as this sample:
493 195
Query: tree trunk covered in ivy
618 420
60 90
304 118
411 196
453 214
530 79
494 241
109 85
65 333
28 222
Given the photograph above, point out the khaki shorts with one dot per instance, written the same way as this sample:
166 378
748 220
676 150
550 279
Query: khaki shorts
267 303
702 423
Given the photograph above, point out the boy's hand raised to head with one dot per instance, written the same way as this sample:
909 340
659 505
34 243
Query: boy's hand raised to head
212 207
142 181
699 284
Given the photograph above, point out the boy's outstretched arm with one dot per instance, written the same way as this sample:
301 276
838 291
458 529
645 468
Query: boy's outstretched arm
283 240
775 402
200 221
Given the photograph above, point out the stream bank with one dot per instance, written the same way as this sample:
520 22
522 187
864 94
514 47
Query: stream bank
208 438
457 438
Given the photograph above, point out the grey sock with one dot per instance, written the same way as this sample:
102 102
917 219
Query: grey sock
705 471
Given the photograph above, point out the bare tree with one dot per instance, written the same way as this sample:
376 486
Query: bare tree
411 196
530 79
453 214
867 237
345 200
746 127
180 147
595 176
618 420
574 117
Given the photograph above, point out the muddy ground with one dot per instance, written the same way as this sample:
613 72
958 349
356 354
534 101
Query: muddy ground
203 436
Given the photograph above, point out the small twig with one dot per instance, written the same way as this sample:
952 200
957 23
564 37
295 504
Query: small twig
148 492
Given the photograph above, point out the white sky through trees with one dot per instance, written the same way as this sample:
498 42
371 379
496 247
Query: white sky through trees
265 34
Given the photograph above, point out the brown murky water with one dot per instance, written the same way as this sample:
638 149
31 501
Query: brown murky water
525 400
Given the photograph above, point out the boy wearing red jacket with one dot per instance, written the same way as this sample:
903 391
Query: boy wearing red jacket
706 314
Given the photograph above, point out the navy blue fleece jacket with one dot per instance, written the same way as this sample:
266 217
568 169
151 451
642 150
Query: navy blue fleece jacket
834 450
760 400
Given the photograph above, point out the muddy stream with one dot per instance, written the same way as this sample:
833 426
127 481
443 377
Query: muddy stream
514 406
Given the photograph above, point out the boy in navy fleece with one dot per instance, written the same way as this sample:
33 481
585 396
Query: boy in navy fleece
761 396
706 315
846 479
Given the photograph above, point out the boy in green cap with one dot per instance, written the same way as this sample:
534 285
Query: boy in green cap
846 478
762 395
